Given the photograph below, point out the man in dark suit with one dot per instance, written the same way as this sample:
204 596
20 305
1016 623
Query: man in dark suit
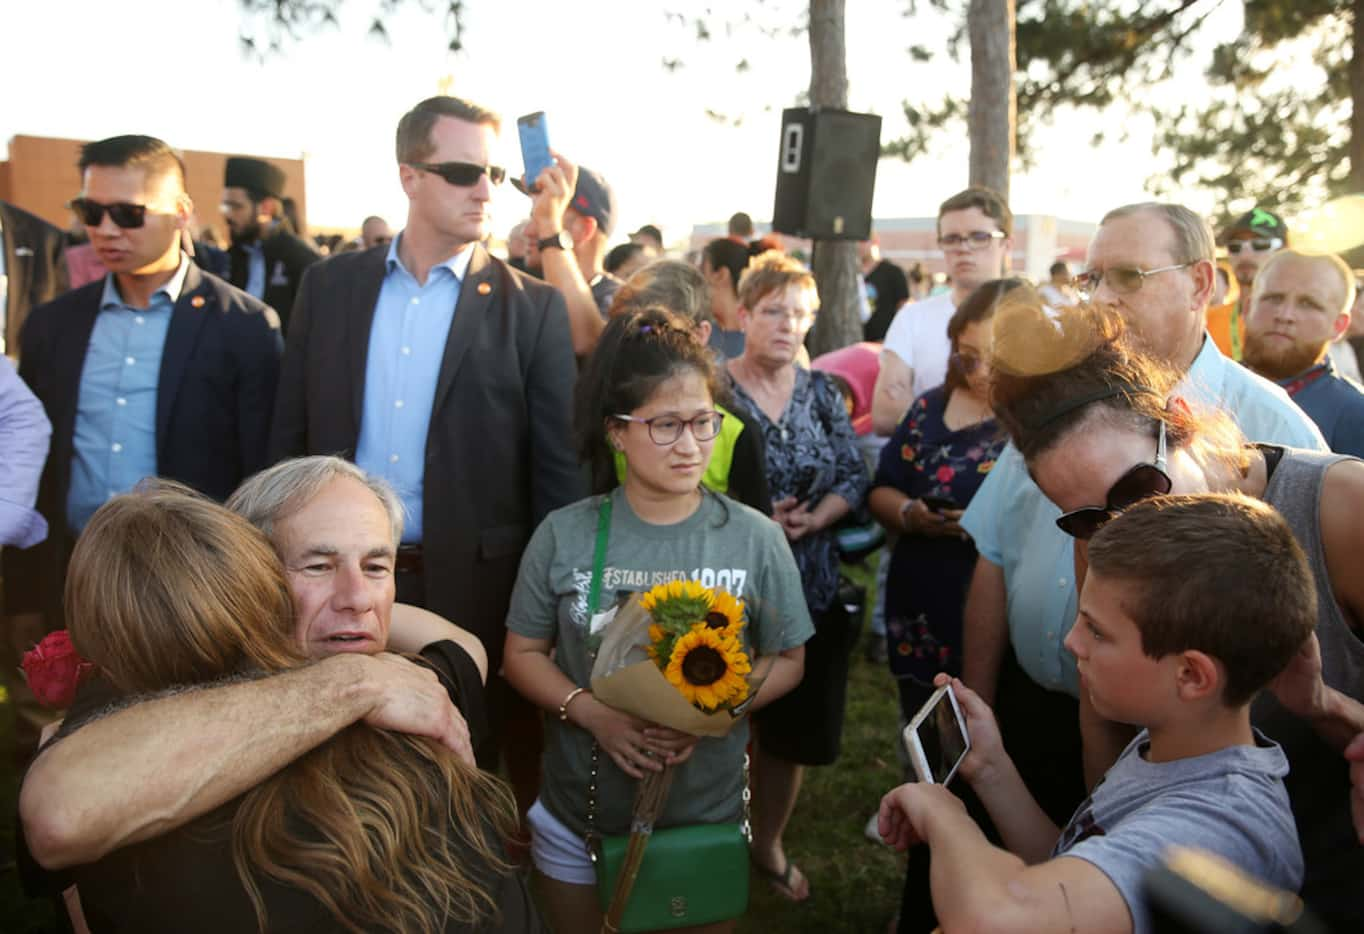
32 263
449 374
266 259
158 369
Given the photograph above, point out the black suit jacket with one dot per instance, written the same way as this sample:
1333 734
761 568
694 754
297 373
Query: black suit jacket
287 258
34 264
499 454
214 398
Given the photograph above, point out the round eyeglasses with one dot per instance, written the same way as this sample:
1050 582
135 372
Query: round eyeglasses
667 429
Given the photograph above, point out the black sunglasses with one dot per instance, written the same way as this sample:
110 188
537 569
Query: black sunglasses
1141 482
1259 245
123 214
463 174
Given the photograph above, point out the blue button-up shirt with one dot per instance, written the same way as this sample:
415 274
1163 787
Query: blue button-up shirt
255 270
114 445
1014 524
24 434
406 346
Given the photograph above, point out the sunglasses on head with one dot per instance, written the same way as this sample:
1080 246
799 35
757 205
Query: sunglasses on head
463 174
1259 245
1141 482
91 213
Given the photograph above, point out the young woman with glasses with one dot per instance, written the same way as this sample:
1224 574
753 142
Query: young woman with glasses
648 391
1101 427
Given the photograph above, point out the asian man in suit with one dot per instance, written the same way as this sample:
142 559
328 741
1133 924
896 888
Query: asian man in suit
157 369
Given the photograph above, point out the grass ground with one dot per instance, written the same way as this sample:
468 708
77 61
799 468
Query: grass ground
855 884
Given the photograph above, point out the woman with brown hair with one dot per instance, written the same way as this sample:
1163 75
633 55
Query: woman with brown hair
1102 426
370 831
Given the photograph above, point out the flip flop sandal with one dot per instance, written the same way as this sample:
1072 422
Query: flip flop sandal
783 882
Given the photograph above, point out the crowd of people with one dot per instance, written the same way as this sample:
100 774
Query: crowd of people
337 535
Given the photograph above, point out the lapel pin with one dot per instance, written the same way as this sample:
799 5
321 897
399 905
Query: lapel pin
484 288
197 301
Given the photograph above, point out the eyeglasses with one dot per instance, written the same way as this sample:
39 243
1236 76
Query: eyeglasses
966 361
1259 245
1141 482
1121 279
463 174
91 213
667 429
975 240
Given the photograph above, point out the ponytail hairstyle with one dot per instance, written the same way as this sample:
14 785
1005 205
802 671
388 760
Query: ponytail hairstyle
1055 368
640 350
387 831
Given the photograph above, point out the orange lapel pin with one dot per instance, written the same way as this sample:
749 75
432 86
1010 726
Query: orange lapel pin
484 288
197 301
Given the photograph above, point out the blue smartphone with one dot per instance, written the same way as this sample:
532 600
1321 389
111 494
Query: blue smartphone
534 135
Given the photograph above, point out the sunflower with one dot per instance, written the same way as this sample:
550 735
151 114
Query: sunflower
726 615
708 668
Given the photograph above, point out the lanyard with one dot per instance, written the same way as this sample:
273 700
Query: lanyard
599 557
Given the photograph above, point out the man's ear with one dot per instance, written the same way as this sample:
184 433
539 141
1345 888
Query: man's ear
1205 282
582 227
1199 676
407 177
1342 324
184 211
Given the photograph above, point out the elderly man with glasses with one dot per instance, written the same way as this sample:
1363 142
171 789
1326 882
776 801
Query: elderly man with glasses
440 369
1153 263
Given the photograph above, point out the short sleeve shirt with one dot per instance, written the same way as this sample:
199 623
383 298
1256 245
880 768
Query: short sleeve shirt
723 545
918 336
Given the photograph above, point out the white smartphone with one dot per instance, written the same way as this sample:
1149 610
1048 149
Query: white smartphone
936 738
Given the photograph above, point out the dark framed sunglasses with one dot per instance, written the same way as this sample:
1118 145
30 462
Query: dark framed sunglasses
463 174
125 215
1141 482
1259 245
667 429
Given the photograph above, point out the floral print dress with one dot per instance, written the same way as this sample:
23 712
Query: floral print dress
926 587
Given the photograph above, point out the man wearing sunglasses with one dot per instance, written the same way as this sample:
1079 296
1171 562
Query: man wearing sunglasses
267 259
1153 263
450 375
156 369
1250 241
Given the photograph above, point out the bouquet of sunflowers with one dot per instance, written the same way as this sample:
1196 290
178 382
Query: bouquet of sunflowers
675 655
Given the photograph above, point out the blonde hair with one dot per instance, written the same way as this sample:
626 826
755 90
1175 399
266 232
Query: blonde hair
773 272
167 588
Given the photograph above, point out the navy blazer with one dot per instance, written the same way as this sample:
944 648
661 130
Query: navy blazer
499 448
214 399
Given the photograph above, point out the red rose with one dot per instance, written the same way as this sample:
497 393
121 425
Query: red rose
54 670
945 474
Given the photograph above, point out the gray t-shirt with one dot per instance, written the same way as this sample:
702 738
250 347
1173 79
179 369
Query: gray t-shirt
1231 803
724 545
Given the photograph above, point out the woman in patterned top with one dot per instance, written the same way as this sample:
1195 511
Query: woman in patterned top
816 476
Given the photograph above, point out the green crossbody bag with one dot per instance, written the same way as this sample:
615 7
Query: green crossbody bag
690 875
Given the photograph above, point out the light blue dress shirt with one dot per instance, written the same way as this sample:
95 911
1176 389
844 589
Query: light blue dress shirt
255 270
1014 524
114 444
406 345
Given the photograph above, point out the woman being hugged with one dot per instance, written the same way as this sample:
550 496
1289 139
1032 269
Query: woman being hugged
370 831
816 476
648 391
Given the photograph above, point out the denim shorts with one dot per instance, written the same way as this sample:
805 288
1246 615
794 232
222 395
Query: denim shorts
558 852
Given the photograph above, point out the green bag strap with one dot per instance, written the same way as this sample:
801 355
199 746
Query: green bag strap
599 557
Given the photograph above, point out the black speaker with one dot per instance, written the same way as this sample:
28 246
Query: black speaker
826 173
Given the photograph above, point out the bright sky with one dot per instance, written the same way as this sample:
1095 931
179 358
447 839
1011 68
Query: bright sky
174 69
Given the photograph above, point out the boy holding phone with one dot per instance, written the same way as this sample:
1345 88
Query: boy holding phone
1192 605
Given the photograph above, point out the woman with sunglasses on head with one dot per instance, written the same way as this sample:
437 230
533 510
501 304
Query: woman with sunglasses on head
648 392
816 476
1101 426
370 831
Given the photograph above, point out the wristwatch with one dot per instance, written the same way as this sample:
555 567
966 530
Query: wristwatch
560 241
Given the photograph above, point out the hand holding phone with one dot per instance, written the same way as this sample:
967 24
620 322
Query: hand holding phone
535 154
936 738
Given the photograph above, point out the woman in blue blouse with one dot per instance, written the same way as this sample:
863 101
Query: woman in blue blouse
816 476
929 470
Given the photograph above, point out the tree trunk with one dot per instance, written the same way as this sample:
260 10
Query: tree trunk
993 110
835 262
1357 101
